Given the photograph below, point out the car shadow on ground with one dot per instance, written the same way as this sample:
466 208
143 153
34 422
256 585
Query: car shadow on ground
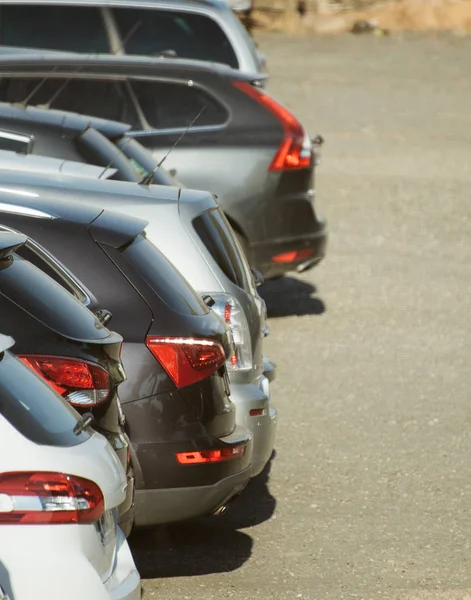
205 546
289 296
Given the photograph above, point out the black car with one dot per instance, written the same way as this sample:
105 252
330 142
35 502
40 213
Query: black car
189 457
226 134
63 342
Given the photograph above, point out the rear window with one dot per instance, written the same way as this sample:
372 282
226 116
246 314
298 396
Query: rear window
48 302
153 32
43 261
170 105
70 28
216 234
33 408
163 278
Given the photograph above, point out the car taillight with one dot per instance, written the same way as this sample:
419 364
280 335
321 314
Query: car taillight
211 456
229 309
293 256
295 149
187 360
81 383
43 498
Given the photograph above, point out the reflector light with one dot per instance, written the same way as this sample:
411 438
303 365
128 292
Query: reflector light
292 256
45 498
258 412
294 151
81 383
187 360
210 456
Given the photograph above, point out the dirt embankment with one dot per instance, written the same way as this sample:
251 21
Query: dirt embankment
339 16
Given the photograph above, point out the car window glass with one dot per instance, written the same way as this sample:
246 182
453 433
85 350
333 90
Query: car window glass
216 234
70 28
152 32
42 261
168 105
33 408
29 288
164 279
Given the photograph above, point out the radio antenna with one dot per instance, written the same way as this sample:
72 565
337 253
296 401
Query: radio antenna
148 178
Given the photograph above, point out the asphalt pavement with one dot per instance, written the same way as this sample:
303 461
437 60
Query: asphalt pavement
369 493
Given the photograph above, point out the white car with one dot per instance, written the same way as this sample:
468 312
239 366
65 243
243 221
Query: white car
60 486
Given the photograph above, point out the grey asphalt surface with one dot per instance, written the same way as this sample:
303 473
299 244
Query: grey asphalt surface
369 493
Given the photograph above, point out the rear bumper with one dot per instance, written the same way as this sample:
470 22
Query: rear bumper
248 397
125 583
314 244
168 491
178 504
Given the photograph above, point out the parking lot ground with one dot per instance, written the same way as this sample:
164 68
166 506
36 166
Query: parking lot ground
369 494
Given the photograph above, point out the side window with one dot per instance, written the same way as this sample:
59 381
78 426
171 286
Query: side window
70 28
16 142
153 32
43 261
168 105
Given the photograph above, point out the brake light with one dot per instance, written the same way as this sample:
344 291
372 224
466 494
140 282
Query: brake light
187 360
210 456
81 383
292 256
295 150
231 311
44 498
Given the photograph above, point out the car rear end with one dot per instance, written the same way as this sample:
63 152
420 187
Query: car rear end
60 487
64 343
283 231
192 457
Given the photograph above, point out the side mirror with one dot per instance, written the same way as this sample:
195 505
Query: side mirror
257 277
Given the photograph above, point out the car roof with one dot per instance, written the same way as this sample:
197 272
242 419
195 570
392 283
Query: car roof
65 197
61 63
218 4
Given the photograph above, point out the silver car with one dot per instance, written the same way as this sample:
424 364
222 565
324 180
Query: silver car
191 230
200 29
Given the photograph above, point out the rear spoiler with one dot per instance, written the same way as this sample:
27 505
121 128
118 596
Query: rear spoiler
116 229
9 242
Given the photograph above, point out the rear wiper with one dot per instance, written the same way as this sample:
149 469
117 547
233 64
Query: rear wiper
167 53
84 421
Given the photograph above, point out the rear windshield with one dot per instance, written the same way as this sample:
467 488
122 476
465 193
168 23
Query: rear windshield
163 278
48 302
186 35
33 408
216 234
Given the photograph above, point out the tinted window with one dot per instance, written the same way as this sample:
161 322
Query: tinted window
44 299
46 264
71 28
216 234
15 142
151 32
175 105
163 277
33 408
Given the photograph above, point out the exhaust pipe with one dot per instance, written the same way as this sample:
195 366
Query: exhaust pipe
220 511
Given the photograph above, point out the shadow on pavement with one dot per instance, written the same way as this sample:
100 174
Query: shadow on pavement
289 296
205 546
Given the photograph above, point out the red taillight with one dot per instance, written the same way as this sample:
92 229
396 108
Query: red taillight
210 456
295 149
187 360
81 383
29 498
292 256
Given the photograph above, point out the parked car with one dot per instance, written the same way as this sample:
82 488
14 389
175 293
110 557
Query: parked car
60 487
194 235
200 29
190 457
210 269
62 341
243 146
